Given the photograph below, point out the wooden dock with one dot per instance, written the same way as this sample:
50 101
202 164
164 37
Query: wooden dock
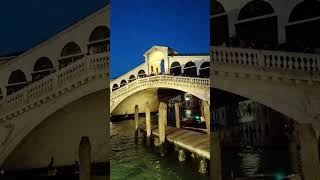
192 141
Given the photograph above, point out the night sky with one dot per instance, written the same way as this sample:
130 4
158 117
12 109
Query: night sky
136 26
25 24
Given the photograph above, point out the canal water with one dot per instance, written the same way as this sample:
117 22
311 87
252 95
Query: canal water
131 159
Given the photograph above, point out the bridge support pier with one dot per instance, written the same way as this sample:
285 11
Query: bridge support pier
177 112
308 153
136 119
206 112
162 127
215 157
84 158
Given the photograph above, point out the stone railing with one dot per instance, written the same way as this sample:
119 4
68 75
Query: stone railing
275 60
157 79
53 85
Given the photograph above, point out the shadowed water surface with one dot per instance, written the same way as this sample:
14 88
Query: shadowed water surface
131 160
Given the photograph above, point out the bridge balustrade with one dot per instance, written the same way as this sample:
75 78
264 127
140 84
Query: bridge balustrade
275 60
55 82
159 78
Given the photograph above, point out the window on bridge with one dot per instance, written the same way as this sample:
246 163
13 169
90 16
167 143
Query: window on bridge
115 87
204 70
71 52
43 67
190 69
175 69
141 74
132 78
304 26
123 83
17 81
248 30
99 40
219 27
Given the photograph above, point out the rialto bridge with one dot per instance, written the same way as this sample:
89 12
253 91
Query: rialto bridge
163 68
55 93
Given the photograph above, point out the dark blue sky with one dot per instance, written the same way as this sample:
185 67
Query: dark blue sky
136 26
27 23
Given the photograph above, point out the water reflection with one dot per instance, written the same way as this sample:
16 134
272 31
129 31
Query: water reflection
135 161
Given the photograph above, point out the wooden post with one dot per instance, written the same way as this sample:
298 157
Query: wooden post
206 112
84 158
148 120
215 157
162 122
177 111
136 117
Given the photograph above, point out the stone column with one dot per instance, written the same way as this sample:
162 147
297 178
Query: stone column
162 122
309 153
215 157
148 120
206 112
84 158
177 111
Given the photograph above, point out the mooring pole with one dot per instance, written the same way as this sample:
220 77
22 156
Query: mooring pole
84 158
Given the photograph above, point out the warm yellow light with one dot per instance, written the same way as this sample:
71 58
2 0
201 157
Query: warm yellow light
156 56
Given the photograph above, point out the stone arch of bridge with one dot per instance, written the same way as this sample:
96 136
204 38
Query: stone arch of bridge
201 93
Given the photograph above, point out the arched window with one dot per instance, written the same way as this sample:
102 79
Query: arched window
216 8
204 70
255 8
190 69
115 87
71 52
123 83
99 33
304 25
99 39
132 78
175 68
43 67
17 81
141 73
70 48
219 27
249 31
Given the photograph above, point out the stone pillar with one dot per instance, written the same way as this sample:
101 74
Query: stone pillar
177 111
162 122
206 112
136 117
84 158
215 157
309 153
148 120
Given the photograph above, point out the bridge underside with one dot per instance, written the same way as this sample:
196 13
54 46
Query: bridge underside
59 135
139 98
288 98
